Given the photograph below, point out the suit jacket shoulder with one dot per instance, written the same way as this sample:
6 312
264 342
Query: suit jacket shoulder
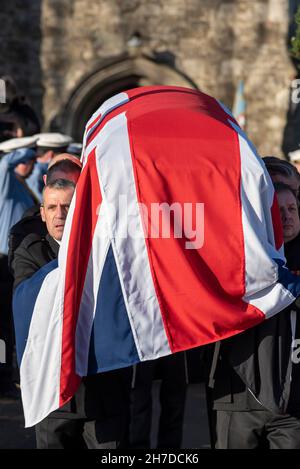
32 254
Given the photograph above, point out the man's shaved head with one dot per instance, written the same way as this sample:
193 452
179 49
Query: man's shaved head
64 166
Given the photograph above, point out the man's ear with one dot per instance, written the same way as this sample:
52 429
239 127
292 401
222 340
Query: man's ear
42 212
45 179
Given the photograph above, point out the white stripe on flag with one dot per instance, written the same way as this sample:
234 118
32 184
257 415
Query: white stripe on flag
130 252
63 249
257 192
40 366
108 106
99 250
41 362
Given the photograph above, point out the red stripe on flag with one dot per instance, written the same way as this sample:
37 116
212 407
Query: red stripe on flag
200 291
94 122
107 117
277 224
88 198
164 92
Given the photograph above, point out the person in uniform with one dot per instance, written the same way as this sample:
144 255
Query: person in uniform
16 164
48 145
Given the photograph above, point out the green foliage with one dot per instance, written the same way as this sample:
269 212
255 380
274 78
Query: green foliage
295 42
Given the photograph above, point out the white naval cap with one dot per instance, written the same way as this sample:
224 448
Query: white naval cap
53 140
16 143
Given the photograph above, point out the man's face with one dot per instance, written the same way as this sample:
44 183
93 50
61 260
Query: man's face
56 203
25 169
289 215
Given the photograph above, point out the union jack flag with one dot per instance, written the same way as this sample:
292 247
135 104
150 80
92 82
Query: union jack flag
116 298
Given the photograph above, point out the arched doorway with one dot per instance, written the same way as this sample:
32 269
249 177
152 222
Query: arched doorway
109 79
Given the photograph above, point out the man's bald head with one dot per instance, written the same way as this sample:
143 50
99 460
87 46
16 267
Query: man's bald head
63 166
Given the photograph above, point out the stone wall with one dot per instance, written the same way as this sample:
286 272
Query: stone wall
213 42
20 42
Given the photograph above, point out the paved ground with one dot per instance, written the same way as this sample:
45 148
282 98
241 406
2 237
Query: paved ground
14 436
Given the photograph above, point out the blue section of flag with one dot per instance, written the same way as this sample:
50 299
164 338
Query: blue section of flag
289 280
111 344
24 300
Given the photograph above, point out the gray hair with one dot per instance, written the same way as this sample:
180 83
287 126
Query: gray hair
59 184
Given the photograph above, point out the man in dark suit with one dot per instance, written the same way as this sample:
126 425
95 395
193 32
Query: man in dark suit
96 416
255 375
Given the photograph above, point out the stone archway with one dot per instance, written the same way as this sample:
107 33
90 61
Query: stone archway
112 78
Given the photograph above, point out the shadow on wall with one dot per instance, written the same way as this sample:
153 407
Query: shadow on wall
20 38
